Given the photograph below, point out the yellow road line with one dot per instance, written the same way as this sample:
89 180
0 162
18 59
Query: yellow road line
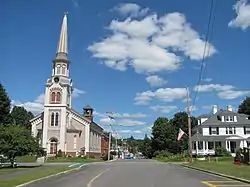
208 184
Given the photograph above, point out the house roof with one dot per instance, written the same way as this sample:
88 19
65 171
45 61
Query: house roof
215 119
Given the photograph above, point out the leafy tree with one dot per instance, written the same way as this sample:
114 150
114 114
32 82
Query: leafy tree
145 147
244 107
21 116
5 103
16 141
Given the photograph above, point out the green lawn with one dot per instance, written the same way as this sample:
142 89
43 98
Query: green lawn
9 170
22 178
26 159
224 167
73 159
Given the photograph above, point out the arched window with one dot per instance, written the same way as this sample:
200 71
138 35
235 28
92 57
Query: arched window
57 119
52 119
58 68
63 69
53 97
74 141
58 97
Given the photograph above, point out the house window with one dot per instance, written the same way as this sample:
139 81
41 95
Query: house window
194 145
246 130
229 118
200 145
210 145
213 130
230 130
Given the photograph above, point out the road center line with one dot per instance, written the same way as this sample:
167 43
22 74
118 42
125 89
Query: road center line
96 177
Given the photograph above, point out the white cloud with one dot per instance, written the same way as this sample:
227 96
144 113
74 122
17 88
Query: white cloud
35 106
207 79
75 3
155 80
163 109
77 92
162 94
145 44
131 10
121 115
242 20
130 122
223 91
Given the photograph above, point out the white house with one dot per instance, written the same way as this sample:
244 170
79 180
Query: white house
59 126
223 128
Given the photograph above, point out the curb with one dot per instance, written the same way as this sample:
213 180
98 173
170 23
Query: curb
53 175
219 174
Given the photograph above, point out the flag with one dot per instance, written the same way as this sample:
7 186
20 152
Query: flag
181 133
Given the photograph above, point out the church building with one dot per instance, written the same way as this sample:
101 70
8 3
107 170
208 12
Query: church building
59 126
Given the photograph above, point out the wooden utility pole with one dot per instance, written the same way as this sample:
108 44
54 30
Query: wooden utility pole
189 126
110 134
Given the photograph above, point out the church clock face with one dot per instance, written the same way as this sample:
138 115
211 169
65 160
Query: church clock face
56 79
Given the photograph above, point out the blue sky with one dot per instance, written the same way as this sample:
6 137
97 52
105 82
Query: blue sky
133 58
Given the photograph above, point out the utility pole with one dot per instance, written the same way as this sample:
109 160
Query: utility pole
110 134
189 126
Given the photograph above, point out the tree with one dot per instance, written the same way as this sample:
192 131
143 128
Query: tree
16 141
5 103
165 133
244 107
145 147
162 134
21 116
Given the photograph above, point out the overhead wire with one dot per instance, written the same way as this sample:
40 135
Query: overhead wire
209 36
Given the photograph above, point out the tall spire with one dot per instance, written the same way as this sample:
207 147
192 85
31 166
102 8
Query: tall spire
63 40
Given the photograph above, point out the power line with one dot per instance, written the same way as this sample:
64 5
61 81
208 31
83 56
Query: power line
211 20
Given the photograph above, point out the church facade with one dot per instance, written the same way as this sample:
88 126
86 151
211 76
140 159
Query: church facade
59 126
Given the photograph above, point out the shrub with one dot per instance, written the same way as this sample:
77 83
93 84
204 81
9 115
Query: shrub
59 153
105 157
92 156
221 151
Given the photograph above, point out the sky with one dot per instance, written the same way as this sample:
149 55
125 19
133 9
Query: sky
134 59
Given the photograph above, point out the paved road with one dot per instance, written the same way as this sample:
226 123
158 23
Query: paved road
132 173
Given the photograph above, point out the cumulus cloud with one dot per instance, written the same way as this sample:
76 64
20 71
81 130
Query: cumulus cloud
77 92
163 109
151 44
223 91
242 20
155 81
35 106
162 94
131 10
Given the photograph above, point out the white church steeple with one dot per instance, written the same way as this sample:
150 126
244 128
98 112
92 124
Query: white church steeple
61 62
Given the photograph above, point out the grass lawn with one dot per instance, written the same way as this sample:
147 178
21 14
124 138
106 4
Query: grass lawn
9 170
73 159
22 178
26 159
224 167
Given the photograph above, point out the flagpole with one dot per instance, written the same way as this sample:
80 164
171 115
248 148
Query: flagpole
189 126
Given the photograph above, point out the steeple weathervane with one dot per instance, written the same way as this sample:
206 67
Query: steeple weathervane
63 40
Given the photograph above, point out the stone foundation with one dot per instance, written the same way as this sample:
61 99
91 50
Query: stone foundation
96 155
